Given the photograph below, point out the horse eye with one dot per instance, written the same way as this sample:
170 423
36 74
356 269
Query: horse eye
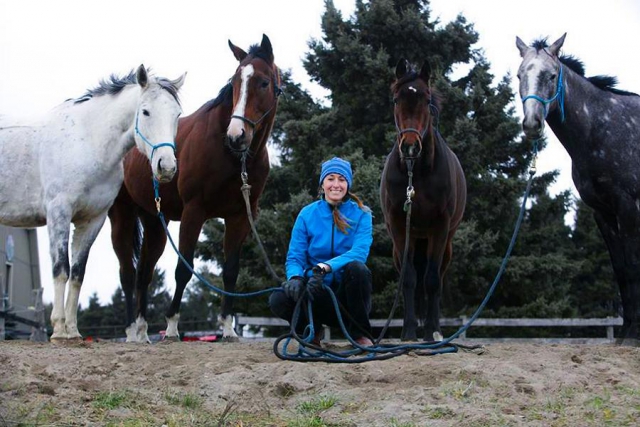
553 77
146 112
264 84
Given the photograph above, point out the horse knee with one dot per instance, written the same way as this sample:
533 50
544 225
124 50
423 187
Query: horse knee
183 274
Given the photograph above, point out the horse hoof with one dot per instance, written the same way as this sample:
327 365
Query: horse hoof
230 339
168 339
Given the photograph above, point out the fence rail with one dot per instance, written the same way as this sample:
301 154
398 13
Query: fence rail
607 322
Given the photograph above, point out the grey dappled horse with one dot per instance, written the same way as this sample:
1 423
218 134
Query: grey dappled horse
598 126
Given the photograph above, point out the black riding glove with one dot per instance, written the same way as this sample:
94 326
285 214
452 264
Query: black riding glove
314 284
293 287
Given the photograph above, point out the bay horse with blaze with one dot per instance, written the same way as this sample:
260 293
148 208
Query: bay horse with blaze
599 126
212 144
422 171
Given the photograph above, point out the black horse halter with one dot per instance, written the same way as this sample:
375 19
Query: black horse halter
277 91
421 134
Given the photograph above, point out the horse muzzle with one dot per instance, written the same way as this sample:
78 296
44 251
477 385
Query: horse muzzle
238 143
166 170
533 126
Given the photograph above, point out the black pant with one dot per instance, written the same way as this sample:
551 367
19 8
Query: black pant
354 294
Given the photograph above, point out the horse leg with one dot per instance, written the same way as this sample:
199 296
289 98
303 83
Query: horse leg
420 263
124 232
153 242
58 226
433 283
83 237
191 224
623 245
408 279
236 230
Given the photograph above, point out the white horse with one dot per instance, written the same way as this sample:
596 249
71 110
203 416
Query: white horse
67 168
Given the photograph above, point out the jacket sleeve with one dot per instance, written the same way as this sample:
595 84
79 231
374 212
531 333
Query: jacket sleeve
298 246
361 244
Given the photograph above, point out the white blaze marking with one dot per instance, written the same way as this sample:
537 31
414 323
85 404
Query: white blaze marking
235 126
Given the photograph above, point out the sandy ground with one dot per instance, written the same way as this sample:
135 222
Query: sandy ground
508 384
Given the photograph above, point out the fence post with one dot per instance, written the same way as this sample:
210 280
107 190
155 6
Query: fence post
327 333
610 330
38 333
463 319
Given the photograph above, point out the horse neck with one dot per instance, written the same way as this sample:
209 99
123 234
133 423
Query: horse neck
583 104
115 112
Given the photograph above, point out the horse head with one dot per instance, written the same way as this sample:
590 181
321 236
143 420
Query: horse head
256 88
541 84
413 107
156 122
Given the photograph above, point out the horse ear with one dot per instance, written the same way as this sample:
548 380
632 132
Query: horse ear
522 47
425 71
237 52
179 81
141 76
401 68
265 45
555 47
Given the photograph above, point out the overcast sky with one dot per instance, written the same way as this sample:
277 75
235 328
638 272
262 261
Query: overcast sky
54 50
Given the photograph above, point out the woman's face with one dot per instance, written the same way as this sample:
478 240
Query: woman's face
334 187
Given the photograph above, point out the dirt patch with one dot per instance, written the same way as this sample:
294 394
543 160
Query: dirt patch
242 384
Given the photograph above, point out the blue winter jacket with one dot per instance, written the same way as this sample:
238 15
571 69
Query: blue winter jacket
315 238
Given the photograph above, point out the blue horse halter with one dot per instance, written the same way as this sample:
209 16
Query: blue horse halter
559 95
154 147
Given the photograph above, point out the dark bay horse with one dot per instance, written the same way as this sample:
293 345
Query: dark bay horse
438 194
599 126
210 145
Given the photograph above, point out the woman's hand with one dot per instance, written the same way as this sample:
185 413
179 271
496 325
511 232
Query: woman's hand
293 287
314 285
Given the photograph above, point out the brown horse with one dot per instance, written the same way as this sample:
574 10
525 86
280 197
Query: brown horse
421 175
211 145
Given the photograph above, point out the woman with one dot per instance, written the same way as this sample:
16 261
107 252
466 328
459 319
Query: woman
329 245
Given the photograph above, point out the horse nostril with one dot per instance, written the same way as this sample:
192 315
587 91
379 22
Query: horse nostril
160 165
242 134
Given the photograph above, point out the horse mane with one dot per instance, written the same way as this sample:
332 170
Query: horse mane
114 85
604 82
411 76
225 97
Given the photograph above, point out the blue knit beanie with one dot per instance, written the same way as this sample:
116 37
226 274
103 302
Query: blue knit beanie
339 166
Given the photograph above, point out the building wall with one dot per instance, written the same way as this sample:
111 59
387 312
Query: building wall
20 276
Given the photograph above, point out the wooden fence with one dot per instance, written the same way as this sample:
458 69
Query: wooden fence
608 323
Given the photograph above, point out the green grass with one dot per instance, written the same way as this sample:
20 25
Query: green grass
317 405
110 399
185 400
